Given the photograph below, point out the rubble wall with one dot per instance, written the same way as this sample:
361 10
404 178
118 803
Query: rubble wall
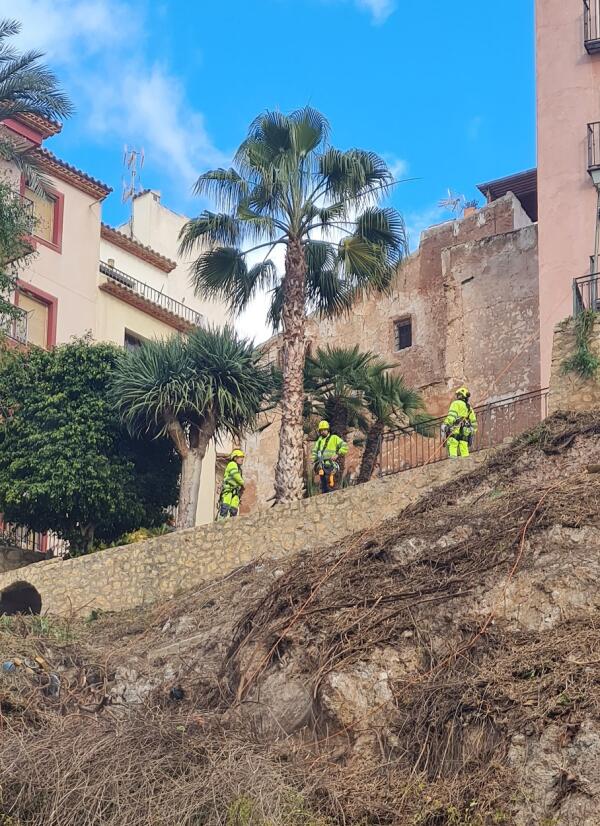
569 391
127 577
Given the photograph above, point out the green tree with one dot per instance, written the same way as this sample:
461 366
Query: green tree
27 86
66 463
289 188
388 403
16 224
207 385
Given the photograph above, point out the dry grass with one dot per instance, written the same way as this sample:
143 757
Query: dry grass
434 754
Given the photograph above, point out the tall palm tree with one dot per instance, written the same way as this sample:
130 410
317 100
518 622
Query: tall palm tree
389 402
27 86
192 389
289 188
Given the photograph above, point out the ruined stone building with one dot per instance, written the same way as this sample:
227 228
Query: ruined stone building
463 308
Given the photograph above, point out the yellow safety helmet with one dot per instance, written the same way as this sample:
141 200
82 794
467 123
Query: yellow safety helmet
463 393
237 454
324 425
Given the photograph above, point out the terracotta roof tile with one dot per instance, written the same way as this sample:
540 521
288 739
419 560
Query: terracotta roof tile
65 171
134 247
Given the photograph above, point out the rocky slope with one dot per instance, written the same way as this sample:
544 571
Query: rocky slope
442 668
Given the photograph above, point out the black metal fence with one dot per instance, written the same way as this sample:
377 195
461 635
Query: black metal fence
586 293
43 543
407 448
152 294
591 25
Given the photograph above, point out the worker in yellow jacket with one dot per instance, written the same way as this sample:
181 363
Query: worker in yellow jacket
460 425
232 487
326 451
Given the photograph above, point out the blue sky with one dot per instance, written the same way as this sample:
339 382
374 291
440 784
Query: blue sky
445 91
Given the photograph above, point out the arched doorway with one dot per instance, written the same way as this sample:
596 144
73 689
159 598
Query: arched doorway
20 598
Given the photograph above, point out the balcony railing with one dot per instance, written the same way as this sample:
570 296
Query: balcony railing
591 25
18 536
15 327
152 295
586 293
593 146
407 448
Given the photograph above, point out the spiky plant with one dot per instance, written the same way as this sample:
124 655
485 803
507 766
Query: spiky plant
289 188
27 86
192 389
389 402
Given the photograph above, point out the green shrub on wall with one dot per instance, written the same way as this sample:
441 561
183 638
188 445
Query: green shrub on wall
583 361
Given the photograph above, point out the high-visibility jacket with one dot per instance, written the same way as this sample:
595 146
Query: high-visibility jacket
233 481
328 446
461 419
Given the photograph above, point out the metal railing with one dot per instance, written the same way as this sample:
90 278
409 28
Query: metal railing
586 293
591 25
406 448
593 145
152 295
15 327
22 537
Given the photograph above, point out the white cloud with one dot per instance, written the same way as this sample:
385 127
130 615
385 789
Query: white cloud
380 10
397 166
97 47
67 30
474 127
146 106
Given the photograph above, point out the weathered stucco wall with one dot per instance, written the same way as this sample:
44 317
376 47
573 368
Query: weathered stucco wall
568 391
471 292
121 578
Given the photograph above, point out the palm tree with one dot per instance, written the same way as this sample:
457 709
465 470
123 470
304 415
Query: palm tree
192 389
389 402
334 382
27 86
290 189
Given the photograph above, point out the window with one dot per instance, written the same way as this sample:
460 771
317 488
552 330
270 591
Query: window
403 333
37 319
47 209
132 342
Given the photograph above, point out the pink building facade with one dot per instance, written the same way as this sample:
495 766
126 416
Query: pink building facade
568 120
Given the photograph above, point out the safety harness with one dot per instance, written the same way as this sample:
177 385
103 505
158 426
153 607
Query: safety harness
324 465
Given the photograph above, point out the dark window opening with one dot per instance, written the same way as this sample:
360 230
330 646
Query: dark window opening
20 598
132 342
403 334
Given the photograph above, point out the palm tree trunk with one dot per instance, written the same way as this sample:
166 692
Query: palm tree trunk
338 419
371 452
288 472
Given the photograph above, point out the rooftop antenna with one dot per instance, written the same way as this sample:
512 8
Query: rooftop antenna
453 203
133 163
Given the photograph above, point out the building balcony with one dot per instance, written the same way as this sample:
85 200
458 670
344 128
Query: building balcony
586 293
591 26
593 147
148 299
15 327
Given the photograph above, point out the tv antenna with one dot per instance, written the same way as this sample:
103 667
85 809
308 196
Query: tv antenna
453 203
133 163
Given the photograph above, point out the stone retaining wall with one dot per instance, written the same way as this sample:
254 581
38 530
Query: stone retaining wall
568 391
121 578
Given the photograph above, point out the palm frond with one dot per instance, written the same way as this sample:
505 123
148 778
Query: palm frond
212 228
224 187
384 227
355 174
309 129
222 274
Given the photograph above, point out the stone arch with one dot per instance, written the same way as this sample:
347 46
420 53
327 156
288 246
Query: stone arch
20 598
